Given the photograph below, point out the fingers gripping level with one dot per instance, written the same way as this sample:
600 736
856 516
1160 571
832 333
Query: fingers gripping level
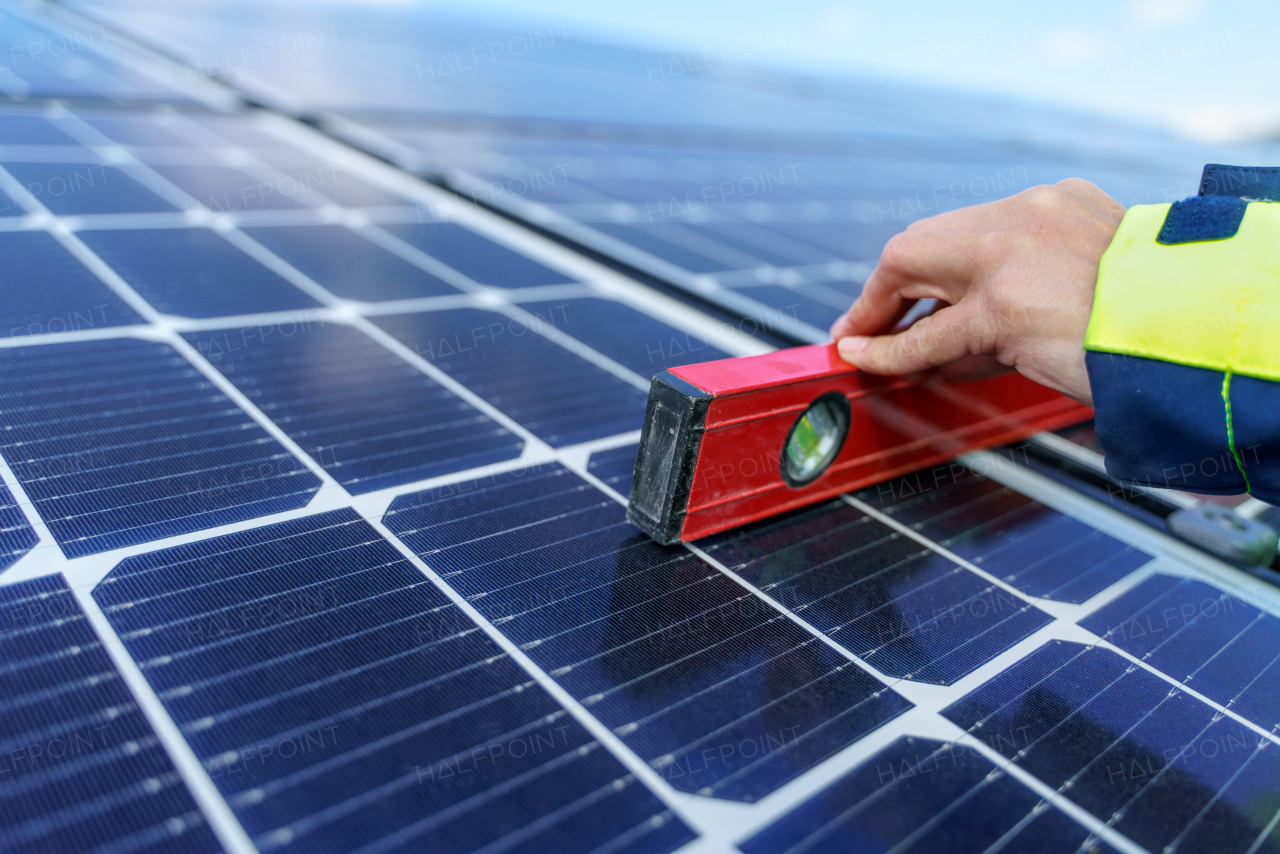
732 441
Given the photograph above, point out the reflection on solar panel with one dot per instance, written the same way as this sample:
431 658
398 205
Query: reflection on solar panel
633 340
1212 642
338 454
339 701
1036 549
349 266
193 272
82 769
722 695
477 257
79 188
565 400
1153 762
900 606
925 796
370 419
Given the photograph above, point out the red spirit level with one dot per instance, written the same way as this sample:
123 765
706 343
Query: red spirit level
732 441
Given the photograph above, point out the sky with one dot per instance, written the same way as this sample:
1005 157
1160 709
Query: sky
1207 70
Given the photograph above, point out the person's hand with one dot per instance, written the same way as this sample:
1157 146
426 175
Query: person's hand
1014 280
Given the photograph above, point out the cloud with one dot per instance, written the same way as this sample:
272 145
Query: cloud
1073 45
1163 13
1218 123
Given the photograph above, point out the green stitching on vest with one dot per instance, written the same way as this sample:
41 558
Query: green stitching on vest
1231 435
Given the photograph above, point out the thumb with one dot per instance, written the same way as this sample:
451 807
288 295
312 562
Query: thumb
937 339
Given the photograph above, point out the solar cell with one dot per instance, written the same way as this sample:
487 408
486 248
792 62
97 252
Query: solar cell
900 606
340 701
344 188
81 768
84 188
615 467
193 272
68 297
128 129
477 257
788 302
925 796
122 441
367 417
225 190
16 536
563 400
719 693
1223 647
634 340
1038 550
348 265
19 129
1152 762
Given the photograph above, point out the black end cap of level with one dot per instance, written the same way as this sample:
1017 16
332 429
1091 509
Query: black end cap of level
674 420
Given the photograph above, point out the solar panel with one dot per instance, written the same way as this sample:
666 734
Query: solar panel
332 460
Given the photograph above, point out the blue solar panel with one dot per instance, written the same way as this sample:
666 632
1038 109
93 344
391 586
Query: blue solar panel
367 417
1224 648
17 129
80 767
85 188
1152 762
339 700
563 399
898 605
343 187
925 796
660 241
193 272
69 297
123 441
348 265
722 695
16 536
817 313
634 340
334 694
1038 550
615 467
127 129
225 190
477 257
